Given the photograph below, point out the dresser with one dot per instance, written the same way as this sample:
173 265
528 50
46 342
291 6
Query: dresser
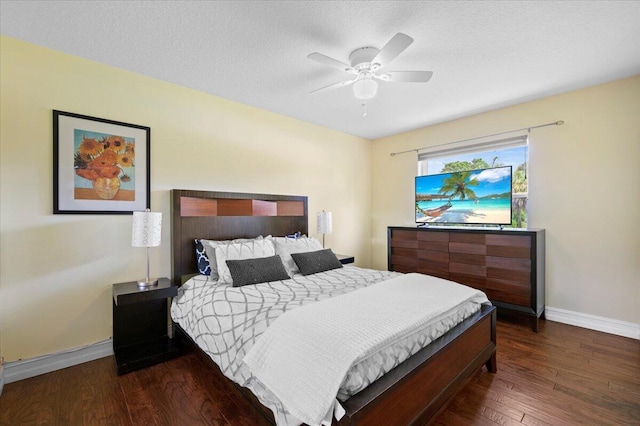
508 265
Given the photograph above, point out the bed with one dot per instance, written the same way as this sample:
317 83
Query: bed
414 391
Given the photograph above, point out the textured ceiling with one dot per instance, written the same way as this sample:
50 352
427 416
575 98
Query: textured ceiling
484 54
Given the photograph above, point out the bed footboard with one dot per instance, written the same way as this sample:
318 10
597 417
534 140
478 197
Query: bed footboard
419 388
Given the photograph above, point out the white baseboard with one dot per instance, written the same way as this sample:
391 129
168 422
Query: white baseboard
592 322
23 369
1 377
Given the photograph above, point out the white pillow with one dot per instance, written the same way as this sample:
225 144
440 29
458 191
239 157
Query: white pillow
210 250
238 251
285 246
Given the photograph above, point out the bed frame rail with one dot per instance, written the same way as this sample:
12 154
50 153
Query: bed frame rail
418 389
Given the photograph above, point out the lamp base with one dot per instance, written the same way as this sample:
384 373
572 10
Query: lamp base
150 283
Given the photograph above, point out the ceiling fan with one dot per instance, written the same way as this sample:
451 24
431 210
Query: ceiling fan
365 65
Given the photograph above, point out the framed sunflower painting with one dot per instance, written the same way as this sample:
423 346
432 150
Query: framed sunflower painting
99 166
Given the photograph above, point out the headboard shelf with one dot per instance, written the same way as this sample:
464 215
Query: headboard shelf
225 216
192 207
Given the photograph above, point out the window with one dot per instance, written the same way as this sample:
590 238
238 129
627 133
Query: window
505 152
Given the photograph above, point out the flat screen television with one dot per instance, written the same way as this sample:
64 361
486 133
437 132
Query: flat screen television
475 197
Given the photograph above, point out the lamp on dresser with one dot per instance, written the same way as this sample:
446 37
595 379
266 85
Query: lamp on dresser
146 232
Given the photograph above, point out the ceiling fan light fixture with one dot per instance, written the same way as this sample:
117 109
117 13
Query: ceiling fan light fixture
365 88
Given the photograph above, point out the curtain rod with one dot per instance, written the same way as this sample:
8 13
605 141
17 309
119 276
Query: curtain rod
555 123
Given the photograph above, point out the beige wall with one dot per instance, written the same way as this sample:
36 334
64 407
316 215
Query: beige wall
56 270
584 189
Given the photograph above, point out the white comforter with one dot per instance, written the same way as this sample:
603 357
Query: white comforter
305 354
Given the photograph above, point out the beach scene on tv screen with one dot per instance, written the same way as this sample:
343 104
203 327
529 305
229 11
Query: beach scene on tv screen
471 197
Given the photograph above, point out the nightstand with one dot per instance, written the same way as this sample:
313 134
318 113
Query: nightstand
142 330
345 258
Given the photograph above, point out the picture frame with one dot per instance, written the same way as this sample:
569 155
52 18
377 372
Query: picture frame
100 166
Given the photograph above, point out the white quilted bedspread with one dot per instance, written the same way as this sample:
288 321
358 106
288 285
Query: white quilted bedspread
305 354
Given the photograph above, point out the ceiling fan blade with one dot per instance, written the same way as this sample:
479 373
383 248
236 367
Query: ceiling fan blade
325 60
407 76
334 86
392 49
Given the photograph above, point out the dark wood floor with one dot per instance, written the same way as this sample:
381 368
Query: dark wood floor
563 375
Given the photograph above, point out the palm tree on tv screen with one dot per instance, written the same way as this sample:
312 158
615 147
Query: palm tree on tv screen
458 185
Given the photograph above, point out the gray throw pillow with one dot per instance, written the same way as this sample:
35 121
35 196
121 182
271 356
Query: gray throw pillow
312 262
257 270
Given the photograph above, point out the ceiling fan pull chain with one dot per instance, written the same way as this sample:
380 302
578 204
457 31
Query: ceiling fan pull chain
364 106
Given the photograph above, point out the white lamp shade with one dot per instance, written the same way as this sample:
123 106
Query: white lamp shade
324 222
147 229
365 88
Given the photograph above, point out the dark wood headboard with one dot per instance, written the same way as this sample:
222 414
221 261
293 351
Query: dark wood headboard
225 216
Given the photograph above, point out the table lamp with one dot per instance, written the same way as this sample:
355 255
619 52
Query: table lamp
324 224
147 230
